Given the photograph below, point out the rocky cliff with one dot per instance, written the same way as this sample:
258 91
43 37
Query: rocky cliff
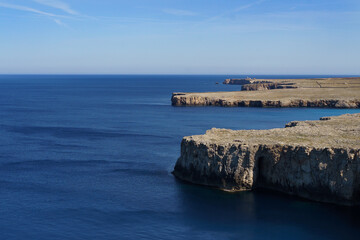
317 160
237 81
324 93
320 97
201 99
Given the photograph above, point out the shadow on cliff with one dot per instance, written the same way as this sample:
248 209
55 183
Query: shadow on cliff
274 215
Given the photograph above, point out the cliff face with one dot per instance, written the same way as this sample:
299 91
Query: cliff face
202 99
317 160
237 81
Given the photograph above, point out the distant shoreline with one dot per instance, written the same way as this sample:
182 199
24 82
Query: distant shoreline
316 92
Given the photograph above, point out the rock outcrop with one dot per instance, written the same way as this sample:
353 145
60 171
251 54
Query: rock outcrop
266 86
237 81
249 84
317 160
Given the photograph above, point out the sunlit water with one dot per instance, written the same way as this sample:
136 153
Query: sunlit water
90 157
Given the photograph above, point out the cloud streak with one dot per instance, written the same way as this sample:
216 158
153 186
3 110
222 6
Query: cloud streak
179 12
58 5
59 22
52 16
26 9
238 9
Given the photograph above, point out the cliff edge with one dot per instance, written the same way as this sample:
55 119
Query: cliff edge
317 160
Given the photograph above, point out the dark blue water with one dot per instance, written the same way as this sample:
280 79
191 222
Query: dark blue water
90 157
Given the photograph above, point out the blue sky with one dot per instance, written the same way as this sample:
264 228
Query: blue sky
180 36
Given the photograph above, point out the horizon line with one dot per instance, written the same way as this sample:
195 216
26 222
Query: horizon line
184 74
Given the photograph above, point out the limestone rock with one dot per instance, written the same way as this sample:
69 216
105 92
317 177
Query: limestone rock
317 160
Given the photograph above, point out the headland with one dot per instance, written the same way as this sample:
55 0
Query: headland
317 160
318 92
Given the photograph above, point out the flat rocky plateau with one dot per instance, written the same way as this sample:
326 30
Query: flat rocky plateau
324 92
317 160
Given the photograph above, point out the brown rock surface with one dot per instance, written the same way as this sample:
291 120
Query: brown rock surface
317 160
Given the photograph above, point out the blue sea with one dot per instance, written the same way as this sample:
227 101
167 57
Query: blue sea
90 157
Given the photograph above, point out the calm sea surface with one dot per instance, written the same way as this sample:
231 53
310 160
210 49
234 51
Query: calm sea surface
90 157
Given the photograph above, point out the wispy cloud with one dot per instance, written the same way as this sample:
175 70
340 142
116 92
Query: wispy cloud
179 12
26 9
58 5
52 16
243 7
59 22
237 9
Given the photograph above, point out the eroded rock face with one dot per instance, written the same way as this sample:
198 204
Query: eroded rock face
237 81
317 160
183 99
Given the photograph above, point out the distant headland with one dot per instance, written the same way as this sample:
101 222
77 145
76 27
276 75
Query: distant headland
318 92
